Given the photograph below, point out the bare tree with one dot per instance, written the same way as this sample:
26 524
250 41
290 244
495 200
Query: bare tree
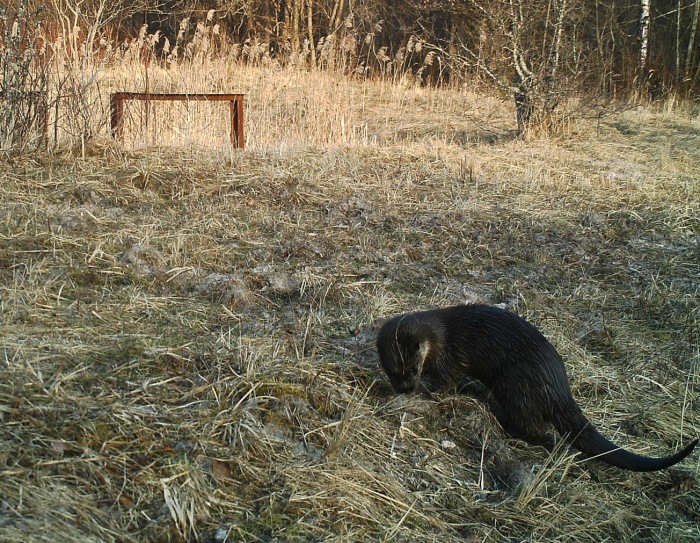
24 76
532 34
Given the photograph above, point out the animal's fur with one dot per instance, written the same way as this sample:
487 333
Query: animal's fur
522 369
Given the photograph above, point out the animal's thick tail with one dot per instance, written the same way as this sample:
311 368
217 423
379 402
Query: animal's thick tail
578 430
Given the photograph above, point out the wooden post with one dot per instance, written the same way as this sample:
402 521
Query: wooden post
116 108
237 138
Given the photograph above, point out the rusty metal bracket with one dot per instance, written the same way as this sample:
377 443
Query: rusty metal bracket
117 99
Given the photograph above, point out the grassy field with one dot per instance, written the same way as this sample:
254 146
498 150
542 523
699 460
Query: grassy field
187 331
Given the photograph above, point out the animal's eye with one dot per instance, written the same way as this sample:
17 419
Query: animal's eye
416 346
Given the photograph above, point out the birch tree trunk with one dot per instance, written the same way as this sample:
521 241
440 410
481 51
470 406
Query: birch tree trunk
310 30
336 16
292 25
692 43
677 73
644 24
560 7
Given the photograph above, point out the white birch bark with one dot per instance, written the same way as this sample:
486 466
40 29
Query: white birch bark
644 24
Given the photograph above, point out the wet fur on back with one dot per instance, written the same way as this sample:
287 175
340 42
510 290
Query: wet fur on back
524 372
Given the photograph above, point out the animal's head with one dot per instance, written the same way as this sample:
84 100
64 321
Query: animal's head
403 347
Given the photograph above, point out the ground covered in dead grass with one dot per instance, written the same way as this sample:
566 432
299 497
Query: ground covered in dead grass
187 350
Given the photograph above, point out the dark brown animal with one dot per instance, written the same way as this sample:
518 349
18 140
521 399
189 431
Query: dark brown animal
522 369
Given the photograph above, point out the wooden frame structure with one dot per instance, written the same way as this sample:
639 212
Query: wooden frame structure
235 101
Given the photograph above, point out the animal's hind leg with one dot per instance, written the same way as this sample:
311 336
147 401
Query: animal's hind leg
517 418
505 419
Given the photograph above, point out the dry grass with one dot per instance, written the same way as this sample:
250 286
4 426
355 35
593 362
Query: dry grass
187 335
292 109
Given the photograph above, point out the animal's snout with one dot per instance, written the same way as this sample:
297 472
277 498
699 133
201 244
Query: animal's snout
405 387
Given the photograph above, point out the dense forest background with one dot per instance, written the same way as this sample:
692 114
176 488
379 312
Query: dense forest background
544 52
615 47
608 45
